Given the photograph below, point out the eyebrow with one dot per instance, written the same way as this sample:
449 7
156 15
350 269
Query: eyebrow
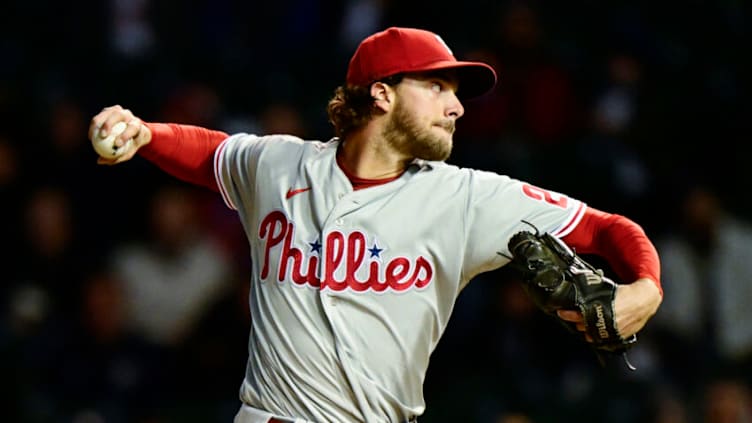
446 75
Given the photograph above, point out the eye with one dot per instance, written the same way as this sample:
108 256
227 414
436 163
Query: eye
436 86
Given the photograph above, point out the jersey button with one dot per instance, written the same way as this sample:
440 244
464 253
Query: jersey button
340 222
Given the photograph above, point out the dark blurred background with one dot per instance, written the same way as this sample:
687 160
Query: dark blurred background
124 292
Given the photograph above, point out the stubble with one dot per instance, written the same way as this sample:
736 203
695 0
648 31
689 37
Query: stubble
405 135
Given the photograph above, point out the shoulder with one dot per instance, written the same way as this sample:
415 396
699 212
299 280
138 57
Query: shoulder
443 170
274 141
476 184
274 145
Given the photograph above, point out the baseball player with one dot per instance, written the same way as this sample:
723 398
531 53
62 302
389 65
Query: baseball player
361 245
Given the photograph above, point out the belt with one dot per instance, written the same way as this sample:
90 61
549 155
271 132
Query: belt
276 420
248 414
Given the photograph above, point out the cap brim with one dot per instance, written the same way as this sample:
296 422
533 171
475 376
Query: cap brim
475 78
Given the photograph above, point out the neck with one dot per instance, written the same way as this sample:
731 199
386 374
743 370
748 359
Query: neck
366 154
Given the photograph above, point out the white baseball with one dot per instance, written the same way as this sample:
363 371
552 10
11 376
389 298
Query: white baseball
106 147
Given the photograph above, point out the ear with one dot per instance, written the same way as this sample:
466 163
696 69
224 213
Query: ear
383 96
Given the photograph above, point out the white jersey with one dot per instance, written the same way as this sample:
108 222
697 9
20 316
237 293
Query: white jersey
351 290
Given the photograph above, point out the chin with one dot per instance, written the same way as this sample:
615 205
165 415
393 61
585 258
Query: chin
448 143
442 150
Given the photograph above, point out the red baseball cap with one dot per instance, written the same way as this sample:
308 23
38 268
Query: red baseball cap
402 50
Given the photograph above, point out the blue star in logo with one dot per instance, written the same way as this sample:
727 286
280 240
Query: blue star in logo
315 246
375 251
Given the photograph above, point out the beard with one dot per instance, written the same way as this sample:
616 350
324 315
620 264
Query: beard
405 135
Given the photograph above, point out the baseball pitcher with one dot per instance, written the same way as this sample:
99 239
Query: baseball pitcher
360 245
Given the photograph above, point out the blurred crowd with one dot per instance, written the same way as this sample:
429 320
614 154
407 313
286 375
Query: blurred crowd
124 292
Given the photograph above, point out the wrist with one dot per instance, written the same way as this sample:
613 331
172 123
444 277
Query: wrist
648 293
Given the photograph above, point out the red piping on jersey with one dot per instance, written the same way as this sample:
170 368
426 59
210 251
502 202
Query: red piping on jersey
218 157
620 241
187 153
575 219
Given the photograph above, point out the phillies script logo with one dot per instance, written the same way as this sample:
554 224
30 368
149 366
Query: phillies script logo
347 255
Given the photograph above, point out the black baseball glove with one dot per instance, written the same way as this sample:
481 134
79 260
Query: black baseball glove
556 278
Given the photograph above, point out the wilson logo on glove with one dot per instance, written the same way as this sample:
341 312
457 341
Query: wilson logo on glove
556 278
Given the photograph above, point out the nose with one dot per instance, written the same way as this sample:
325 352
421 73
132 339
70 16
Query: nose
454 109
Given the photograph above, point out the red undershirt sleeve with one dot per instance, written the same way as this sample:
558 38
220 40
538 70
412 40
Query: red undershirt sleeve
620 241
184 151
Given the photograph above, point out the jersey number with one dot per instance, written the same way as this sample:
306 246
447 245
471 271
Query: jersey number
542 195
